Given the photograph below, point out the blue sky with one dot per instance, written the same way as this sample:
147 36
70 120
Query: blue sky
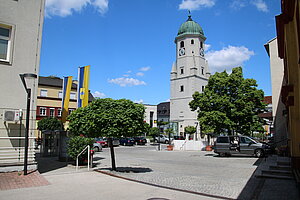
130 43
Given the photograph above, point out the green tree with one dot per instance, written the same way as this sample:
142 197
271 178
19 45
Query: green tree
50 124
229 103
109 118
154 132
190 130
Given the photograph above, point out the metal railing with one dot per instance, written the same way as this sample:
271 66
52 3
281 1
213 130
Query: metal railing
89 153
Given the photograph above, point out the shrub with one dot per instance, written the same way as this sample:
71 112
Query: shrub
76 144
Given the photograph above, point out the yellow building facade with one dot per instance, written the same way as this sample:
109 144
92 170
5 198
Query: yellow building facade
288 36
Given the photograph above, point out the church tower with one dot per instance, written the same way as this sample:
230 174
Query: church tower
189 74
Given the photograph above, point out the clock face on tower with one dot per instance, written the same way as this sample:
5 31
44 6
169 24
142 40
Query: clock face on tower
181 51
201 52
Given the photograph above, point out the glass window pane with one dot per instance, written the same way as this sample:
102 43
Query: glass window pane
73 96
3 49
60 94
4 32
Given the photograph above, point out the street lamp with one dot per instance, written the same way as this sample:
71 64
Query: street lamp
24 77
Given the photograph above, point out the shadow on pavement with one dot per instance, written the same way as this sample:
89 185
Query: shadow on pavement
268 188
130 169
46 164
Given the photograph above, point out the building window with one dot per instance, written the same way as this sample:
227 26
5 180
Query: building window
5 42
59 112
203 88
52 112
60 94
44 93
202 70
181 88
201 44
181 44
43 111
181 70
71 110
73 95
192 41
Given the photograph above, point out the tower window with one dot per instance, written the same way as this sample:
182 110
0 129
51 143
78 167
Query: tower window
202 88
192 41
181 88
202 70
181 44
181 70
201 44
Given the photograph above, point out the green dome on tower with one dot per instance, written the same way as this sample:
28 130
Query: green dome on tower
190 27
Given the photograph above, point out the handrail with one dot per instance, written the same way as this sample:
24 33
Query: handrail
183 145
87 147
17 138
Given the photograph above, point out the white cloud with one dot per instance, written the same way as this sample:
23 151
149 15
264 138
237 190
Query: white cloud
140 74
207 47
144 69
64 8
196 4
139 101
123 82
260 5
238 4
99 94
227 58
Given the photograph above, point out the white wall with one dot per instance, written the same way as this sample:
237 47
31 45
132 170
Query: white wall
26 19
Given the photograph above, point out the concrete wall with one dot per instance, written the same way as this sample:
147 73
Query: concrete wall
26 21
277 73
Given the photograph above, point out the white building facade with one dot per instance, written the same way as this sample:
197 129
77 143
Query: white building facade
151 115
21 25
189 74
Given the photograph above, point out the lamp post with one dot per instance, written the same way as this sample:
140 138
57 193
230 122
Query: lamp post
28 90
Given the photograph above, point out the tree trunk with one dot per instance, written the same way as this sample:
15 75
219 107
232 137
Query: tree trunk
112 154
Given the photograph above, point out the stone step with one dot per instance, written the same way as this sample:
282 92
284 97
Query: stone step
275 176
277 172
284 163
280 167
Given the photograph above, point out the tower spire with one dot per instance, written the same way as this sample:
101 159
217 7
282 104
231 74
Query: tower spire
189 16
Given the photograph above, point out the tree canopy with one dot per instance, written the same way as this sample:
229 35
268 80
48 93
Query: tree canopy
50 124
108 118
190 130
229 103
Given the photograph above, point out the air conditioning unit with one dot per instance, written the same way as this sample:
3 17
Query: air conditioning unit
11 115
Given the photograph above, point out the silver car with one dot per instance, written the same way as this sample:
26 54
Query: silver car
229 145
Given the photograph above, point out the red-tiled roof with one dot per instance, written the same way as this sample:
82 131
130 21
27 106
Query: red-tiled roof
268 99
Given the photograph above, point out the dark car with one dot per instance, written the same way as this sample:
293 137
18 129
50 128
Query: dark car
127 141
229 145
179 138
140 140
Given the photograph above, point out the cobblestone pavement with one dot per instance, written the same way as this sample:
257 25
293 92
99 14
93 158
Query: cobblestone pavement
15 180
200 171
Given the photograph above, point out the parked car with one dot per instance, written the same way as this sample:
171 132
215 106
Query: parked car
115 141
229 145
102 142
97 147
140 140
127 141
162 139
179 138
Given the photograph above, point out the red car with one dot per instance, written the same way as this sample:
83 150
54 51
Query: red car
102 142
